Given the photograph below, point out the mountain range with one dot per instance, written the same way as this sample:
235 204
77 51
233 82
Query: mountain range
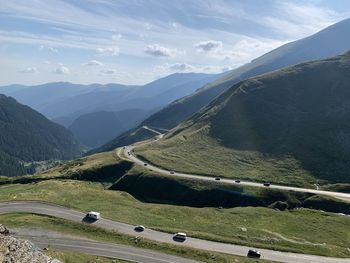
329 42
67 103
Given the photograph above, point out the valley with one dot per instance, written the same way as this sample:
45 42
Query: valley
178 132
263 225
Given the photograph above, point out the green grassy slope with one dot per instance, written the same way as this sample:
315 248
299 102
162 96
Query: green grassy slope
253 226
290 126
99 182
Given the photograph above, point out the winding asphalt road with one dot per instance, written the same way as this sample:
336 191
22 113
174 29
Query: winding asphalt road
76 216
44 238
129 149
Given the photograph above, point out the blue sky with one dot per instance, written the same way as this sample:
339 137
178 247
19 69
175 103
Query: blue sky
136 41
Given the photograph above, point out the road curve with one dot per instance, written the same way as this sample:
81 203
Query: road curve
129 149
76 216
44 238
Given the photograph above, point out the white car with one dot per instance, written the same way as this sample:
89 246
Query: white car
93 215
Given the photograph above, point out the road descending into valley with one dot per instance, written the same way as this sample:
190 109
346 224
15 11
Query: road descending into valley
129 154
77 216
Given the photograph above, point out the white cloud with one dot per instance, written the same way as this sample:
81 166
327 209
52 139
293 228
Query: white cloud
93 63
244 50
61 70
159 51
207 46
167 68
29 70
184 67
116 37
108 51
51 49
299 20
108 71
216 69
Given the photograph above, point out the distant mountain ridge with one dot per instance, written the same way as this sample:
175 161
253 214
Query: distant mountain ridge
63 99
329 42
72 104
26 136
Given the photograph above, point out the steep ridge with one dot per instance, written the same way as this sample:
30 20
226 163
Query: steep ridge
295 119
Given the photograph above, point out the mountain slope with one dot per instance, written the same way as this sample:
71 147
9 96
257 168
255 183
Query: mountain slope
329 42
289 126
97 128
332 41
26 136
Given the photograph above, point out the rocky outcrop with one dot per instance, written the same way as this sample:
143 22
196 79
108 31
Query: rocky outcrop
13 250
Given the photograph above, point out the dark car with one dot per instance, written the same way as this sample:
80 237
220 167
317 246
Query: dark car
253 253
217 178
139 228
180 237
145 164
172 172
267 184
237 181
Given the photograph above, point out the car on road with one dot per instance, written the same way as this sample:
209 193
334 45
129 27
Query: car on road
181 237
253 253
237 181
128 153
217 178
172 172
139 228
93 215
145 164
267 184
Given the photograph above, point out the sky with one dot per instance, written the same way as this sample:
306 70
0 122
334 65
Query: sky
137 41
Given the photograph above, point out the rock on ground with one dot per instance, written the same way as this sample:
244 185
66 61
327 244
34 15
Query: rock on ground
13 250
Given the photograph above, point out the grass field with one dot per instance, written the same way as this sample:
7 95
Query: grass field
199 154
91 232
300 230
75 257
